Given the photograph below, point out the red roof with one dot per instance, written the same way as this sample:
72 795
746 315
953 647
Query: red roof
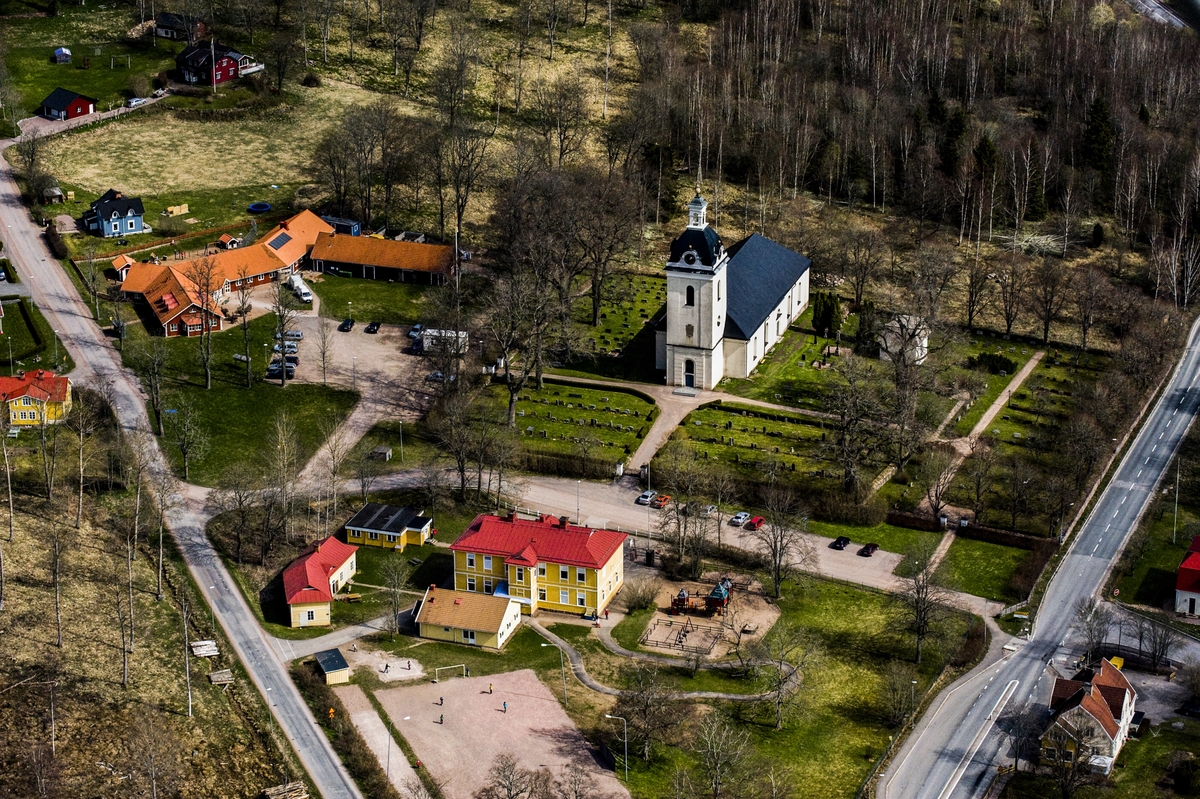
306 579
41 385
527 542
1103 700
1188 576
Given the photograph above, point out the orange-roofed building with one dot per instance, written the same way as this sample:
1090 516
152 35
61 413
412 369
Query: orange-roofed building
311 580
543 563
35 398
383 259
1094 717
1187 580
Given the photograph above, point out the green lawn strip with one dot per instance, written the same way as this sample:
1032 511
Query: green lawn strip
889 537
238 419
609 422
786 375
628 631
370 300
994 384
410 446
437 565
524 650
634 300
1152 579
91 71
26 335
981 568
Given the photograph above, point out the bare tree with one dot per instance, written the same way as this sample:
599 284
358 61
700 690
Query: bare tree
451 423
202 273
324 346
1013 280
83 421
48 435
1162 640
934 477
166 497
185 610
5 426
979 473
1093 621
337 447
61 541
721 750
152 363
649 707
784 655
1065 751
779 536
862 252
560 115
1090 295
93 276
506 779
1024 725
1049 289
154 750
284 307
189 434
122 614
980 290
395 580
242 309
237 494
897 693
922 601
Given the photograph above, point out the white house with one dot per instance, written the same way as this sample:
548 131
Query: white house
726 308
1095 712
1187 581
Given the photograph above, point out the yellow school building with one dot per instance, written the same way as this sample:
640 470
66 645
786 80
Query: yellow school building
463 618
389 527
36 398
543 563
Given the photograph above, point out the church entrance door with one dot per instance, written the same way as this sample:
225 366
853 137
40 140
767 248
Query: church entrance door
689 374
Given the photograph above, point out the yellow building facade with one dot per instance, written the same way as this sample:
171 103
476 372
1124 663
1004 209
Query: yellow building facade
36 398
472 619
389 527
544 563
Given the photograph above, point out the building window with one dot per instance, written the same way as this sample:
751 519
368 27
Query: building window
470 583
564 573
470 560
564 597
391 539
131 224
487 586
541 594
468 636
541 570
691 297
689 330
174 327
312 615
581 599
487 563
520 574
581 575
26 401
373 536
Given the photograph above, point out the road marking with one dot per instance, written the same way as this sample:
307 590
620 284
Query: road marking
1160 435
1147 461
1106 528
1152 449
1139 474
1124 498
977 741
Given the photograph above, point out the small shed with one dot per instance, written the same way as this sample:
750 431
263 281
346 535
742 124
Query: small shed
381 453
62 56
333 665
52 195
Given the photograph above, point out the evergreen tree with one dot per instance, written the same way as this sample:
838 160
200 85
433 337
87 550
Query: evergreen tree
1098 136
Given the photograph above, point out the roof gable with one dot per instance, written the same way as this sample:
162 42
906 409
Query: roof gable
41 385
464 610
306 579
1187 578
760 275
60 99
542 540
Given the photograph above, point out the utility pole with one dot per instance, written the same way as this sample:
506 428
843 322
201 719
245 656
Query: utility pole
1175 524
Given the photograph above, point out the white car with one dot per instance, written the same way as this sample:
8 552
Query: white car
739 519
136 101
646 497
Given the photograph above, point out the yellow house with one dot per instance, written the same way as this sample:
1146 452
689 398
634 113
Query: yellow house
463 618
1093 712
543 563
311 580
36 397
389 527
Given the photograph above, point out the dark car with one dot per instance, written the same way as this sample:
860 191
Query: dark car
1191 708
274 371
292 360
841 542
346 326
373 328
868 550
754 524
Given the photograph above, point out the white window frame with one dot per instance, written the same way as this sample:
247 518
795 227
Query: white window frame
564 596
487 563
468 637
581 598
373 536
470 583
541 595
521 574
580 575
312 615
541 570
470 560
487 586
564 574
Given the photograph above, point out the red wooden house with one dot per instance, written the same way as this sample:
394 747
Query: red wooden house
65 104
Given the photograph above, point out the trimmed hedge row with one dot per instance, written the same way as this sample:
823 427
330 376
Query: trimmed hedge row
39 331
567 465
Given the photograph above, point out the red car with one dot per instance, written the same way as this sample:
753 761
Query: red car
754 524
660 501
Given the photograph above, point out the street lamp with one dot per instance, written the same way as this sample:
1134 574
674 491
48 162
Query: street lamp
55 349
578 515
626 723
563 665
912 691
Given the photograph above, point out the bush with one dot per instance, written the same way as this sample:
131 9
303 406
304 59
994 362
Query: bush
170 226
311 80
162 80
835 506
992 363
974 645
57 247
639 593
139 86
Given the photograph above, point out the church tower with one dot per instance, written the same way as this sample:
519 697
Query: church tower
697 294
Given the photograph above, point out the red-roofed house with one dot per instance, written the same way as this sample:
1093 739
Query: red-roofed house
36 397
1187 581
543 563
1096 715
311 580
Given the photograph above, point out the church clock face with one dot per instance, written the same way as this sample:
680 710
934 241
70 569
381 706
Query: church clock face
689 258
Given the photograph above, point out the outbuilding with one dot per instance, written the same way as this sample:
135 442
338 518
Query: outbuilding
389 526
65 104
1187 581
333 665
62 56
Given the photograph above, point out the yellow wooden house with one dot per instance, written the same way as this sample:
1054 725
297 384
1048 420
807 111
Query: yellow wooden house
311 580
542 563
464 618
389 527
35 398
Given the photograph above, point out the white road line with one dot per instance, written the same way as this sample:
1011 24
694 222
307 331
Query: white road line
1160 435
1106 528
1147 461
977 741
1124 498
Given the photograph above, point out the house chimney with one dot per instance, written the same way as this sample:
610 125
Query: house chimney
562 521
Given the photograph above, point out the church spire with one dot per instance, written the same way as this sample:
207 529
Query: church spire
698 212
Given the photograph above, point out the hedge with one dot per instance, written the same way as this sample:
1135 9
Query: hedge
562 464
9 270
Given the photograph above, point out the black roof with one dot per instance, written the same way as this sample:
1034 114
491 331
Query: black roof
113 201
706 243
60 98
387 519
760 273
169 19
332 660
200 53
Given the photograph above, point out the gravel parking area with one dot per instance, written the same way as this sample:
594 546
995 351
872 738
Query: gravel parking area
457 740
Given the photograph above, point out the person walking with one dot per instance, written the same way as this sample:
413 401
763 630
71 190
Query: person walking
506 707
441 718
606 614
489 688
441 700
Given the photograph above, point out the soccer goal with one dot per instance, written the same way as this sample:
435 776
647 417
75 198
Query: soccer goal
437 673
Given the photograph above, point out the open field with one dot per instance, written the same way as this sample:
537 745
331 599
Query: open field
982 569
369 300
29 338
97 69
237 419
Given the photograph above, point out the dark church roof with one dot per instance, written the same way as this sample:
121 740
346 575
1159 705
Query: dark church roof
706 243
760 274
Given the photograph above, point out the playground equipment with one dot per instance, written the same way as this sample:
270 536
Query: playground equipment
259 208
715 603
685 635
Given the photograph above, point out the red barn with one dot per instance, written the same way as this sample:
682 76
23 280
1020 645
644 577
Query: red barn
64 104
1187 580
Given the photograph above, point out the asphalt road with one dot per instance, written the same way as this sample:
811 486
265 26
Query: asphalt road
97 362
953 750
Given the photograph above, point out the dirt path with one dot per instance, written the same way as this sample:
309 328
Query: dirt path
362 714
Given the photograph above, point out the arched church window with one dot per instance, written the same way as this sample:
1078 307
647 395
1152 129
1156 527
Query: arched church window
691 296
718 291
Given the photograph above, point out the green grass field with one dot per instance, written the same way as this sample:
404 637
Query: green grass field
372 300
105 76
888 536
994 384
27 341
237 418
636 299
982 569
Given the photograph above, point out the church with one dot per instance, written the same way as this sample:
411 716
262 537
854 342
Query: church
726 308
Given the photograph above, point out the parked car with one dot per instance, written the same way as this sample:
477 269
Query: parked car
415 333
292 335
646 497
134 102
275 371
708 510
292 360
1190 708
346 326
841 542
660 501
738 519
868 550
287 347
438 377
754 524
373 328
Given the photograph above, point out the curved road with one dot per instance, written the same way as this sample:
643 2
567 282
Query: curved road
96 363
955 746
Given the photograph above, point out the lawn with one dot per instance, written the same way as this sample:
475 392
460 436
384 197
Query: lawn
237 419
982 569
786 375
27 336
1147 575
369 300
410 446
635 299
524 650
889 537
993 384
436 567
97 69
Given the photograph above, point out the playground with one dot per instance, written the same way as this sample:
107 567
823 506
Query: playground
704 617
458 721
